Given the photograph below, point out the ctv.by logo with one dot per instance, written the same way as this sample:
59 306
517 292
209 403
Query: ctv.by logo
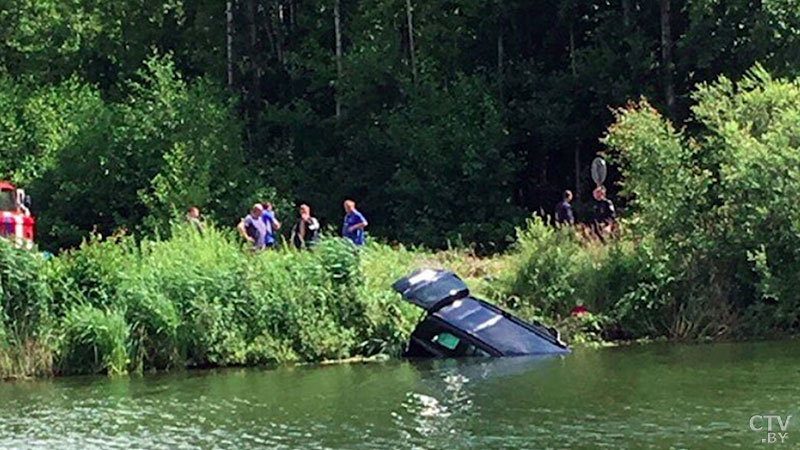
757 424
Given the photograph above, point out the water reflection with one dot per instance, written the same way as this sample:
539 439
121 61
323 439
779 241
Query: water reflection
639 397
445 405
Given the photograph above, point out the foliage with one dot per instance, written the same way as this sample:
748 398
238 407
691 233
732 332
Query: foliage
198 300
543 273
447 122
131 164
131 112
93 341
451 142
720 203
25 294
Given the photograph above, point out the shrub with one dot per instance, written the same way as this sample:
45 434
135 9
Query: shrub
25 295
93 341
543 271
720 205
93 273
154 321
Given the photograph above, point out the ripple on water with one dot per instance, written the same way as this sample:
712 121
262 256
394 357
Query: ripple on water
698 397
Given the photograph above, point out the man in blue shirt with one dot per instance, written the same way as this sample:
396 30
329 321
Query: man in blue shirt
272 224
252 227
354 223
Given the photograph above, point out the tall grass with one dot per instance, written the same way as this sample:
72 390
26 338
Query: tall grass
115 306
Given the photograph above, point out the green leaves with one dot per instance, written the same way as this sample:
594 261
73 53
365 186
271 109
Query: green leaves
722 203
196 301
94 341
133 164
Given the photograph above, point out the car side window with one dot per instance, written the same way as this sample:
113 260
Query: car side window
446 340
457 346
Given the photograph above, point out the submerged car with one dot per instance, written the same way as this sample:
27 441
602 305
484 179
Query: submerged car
456 324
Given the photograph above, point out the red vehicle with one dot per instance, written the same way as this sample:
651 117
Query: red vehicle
16 221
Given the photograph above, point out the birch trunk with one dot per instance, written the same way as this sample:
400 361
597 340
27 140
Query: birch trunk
338 28
666 55
413 59
229 37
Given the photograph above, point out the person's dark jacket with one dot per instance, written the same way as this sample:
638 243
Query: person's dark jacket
305 234
564 214
604 211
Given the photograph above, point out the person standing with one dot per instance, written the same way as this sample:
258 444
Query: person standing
564 214
305 232
193 218
272 223
253 228
604 213
354 223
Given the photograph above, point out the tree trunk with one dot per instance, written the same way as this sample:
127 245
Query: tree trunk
251 12
500 66
577 149
577 168
626 13
279 35
666 55
255 54
410 19
269 31
337 20
572 51
229 35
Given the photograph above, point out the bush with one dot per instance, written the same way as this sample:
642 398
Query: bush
197 300
543 271
93 273
25 296
93 341
719 205
154 321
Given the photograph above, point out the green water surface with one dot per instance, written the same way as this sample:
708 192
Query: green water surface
639 397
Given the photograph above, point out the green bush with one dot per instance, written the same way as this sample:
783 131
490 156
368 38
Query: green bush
543 271
198 300
154 321
94 341
93 272
719 206
25 296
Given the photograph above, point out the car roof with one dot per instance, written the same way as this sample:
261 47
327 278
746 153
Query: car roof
431 289
498 329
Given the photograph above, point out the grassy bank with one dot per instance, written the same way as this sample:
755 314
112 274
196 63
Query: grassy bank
117 306
120 306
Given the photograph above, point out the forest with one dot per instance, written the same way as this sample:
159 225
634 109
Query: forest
448 121
454 124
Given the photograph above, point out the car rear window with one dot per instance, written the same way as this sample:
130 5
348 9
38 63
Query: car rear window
502 333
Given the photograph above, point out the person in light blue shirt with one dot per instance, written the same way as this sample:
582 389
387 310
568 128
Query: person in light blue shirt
354 223
272 223
252 228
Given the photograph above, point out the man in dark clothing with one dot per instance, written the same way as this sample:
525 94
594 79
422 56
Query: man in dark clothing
305 233
564 214
604 213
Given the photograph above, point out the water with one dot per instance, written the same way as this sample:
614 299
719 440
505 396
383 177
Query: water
655 396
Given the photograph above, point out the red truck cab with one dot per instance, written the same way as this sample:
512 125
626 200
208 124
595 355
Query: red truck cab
16 221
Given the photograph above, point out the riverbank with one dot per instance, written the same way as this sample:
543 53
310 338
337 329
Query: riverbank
118 306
